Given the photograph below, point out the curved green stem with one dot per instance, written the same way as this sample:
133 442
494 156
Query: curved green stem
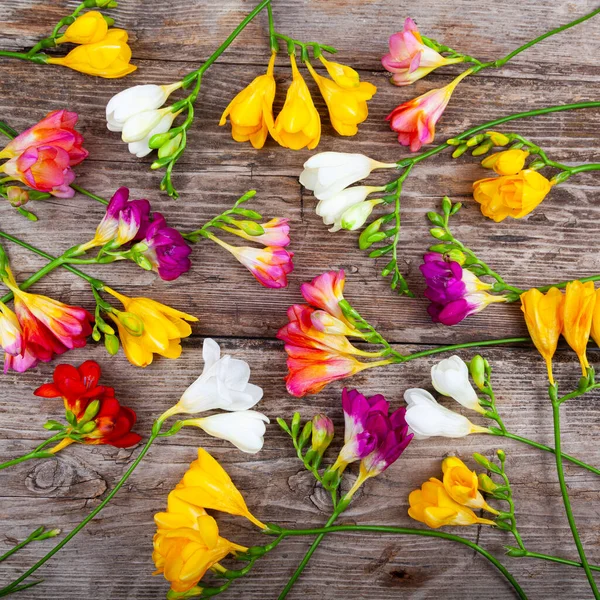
535 444
20 459
11 587
566 500
556 559
473 130
322 531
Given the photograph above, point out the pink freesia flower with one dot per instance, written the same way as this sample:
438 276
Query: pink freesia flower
409 58
43 168
326 292
48 327
276 233
415 120
11 336
42 156
56 129
270 266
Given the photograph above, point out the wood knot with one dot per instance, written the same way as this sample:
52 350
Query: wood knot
61 477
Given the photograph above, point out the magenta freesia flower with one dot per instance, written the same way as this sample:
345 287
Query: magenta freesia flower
166 249
455 293
364 419
124 220
409 58
270 266
414 121
276 233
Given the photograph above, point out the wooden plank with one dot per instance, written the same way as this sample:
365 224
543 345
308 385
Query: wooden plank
111 559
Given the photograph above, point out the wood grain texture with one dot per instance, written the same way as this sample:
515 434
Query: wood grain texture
111 559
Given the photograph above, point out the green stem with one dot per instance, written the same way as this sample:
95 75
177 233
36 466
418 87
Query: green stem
40 59
566 500
89 194
556 559
534 444
530 113
464 345
322 531
20 459
563 284
272 35
10 588
55 262
288 586
582 168
502 61
213 57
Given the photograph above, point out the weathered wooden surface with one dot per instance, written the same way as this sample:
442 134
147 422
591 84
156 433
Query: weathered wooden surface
111 558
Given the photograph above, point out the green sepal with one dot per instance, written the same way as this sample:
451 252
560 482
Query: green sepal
440 234
53 425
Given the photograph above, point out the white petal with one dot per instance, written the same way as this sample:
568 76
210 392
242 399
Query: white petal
450 377
245 399
244 429
211 352
237 374
142 147
138 126
134 100
308 178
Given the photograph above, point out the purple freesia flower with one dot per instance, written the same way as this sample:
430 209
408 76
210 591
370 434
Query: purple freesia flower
455 293
124 220
364 419
165 248
393 437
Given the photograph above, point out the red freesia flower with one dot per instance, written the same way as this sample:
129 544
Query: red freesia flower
79 388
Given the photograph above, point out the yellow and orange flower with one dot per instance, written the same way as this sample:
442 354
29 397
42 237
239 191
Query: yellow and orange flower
511 195
580 301
544 319
109 58
251 111
148 327
432 505
298 125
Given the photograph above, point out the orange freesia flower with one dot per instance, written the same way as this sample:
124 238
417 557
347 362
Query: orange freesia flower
580 300
544 319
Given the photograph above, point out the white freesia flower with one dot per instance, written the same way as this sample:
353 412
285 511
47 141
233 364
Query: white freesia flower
333 209
223 384
426 418
244 429
328 173
142 148
450 377
134 100
140 125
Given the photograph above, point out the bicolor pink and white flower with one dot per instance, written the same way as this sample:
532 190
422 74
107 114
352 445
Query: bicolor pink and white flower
414 121
409 58
276 233
11 335
270 266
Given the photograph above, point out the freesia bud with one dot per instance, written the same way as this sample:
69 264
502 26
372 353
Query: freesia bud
477 370
131 322
356 216
450 377
88 427
508 162
48 534
111 343
17 196
90 412
455 255
426 418
250 227
337 209
322 433
486 483
580 299
170 147
88 28
499 139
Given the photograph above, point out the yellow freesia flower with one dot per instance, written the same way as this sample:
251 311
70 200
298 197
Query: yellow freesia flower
462 484
595 332
108 58
347 105
163 328
343 75
207 485
508 162
251 111
187 543
433 506
88 28
544 319
298 125
511 195
580 300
